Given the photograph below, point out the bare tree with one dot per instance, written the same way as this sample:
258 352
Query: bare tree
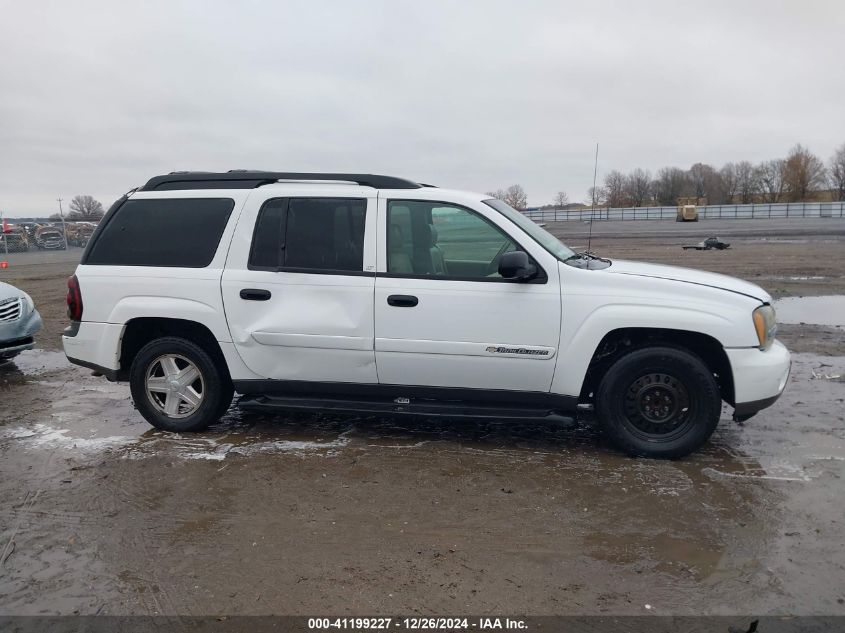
669 186
704 181
638 187
770 176
614 189
804 173
595 196
728 180
85 208
515 197
747 182
837 173
499 194
561 199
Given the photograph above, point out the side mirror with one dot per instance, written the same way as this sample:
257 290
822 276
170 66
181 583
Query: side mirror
516 265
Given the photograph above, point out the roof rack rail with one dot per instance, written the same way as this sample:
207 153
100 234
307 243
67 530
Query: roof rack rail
248 179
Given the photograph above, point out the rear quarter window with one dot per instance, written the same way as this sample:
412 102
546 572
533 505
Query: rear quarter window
183 232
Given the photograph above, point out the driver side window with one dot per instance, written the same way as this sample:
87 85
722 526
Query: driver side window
442 240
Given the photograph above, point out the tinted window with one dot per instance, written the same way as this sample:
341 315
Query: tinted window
311 234
267 239
433 238
177 232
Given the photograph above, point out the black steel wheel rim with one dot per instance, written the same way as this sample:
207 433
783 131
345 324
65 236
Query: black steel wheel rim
658 407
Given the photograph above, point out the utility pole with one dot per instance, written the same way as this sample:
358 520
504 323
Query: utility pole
62 216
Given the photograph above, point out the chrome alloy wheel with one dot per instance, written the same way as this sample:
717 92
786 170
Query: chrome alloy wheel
174 385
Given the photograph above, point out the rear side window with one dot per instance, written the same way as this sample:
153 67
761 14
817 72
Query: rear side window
176 232
320 234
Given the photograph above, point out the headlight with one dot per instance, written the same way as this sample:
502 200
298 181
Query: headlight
766 325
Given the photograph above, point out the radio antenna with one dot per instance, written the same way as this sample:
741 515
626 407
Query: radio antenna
593 208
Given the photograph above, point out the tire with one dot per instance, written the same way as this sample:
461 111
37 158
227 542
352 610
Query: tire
658 402
198 403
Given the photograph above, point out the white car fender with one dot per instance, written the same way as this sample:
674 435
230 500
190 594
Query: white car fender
583 331
134 307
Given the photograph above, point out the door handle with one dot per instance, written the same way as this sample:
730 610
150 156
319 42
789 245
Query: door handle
255 294
402 301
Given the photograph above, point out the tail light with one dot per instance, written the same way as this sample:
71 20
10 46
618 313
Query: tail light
74 299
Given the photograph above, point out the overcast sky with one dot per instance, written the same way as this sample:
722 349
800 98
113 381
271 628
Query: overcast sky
98 97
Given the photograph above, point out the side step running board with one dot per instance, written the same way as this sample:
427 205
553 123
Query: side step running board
277 404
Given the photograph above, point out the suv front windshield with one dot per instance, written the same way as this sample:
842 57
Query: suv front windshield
538 233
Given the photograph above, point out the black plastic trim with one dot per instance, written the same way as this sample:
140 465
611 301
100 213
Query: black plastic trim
72 329
255 294
367 392
496 280
110 374
27 340
745 410
252 179
274 404
402 301
315 271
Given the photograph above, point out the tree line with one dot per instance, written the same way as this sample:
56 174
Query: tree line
800 176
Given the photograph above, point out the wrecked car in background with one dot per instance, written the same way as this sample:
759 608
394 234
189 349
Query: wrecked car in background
79 233
709 244
49 238
19 321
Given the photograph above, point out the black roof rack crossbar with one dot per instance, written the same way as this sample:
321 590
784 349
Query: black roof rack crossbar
243 179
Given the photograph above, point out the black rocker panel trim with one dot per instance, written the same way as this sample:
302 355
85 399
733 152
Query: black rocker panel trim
369 392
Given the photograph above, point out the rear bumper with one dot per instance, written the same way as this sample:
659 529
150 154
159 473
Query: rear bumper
94 345
110 374
759 377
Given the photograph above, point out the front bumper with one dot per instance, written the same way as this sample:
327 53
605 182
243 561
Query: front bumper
16 336
760 377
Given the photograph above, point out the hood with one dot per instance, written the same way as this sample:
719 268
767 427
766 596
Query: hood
690 276
8 290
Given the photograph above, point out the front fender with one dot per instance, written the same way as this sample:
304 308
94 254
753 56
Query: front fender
585 328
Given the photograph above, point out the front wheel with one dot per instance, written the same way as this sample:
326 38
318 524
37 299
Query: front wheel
658 402
178 386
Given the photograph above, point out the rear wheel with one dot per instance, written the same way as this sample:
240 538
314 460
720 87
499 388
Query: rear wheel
178 386
658 402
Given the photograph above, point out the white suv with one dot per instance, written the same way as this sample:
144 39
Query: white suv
375 294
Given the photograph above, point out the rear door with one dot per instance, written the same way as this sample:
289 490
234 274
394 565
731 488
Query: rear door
444 316
299 282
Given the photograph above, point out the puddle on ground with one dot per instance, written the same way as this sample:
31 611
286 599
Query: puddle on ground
825 310
33 362
71 411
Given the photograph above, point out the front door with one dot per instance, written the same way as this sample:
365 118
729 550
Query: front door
445 317
298 289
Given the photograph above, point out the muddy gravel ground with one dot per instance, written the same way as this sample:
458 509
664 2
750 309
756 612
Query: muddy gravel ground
343 514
